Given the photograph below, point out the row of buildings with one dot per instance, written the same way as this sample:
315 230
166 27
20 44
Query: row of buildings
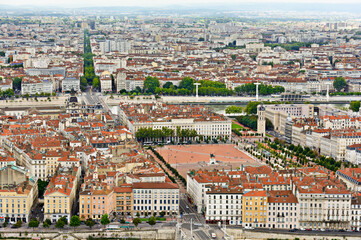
312 198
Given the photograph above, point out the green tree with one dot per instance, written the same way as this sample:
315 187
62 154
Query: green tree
251 107
48 221
152 221
34 223
136 221
150 84
234 57
64 220
41 187
18 224
105 220
355 106
168 85
186 83
339 83
162 213
17 83
60 223
96 83
74 221
90 222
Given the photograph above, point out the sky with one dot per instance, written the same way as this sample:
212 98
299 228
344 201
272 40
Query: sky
156 3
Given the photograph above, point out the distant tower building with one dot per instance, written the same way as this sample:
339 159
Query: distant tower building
92 25
261 122
288 129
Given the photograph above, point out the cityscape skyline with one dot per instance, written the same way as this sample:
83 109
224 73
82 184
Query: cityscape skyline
163 3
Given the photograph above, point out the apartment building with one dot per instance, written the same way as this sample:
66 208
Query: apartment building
351 177
224 204
279 113
155 197
334 145
198 185
353 154
356 213
254 209
59 197
16 200
123 200
106 82
34 86
95 201
70 83
323 203
282 211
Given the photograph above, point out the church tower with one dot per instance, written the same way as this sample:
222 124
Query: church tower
261 122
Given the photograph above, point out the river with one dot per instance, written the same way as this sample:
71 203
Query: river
220 109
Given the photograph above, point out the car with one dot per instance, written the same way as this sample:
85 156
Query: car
308 229
187 206
213 235
302 229
293 230
322 229
342 230
248 227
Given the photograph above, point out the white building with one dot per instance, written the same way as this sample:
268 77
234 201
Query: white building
224 204
356 213
282 211
323 204
156 197
71 83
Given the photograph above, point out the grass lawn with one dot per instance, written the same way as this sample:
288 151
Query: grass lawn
236 126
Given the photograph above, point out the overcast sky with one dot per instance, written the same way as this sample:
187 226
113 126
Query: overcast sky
80 3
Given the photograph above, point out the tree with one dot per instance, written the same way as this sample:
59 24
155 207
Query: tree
64 220
150 84
17 83
355 106
34 223
90 222
96 83
41 187
186 83
234 57
162 213
18 224
152 221
122 221
105 219
138 214
251 108
46 225
339 83
136 221
60 223
74 221
48 221
168 85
